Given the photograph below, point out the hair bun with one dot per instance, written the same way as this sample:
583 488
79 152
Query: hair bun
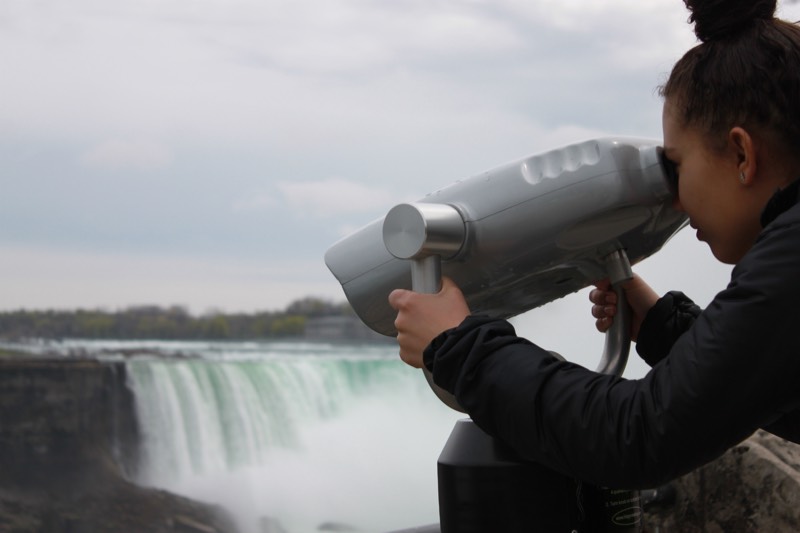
717 19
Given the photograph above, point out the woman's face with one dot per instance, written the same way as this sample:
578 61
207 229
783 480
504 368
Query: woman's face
710 191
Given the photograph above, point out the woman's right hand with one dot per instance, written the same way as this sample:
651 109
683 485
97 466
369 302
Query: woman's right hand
640 298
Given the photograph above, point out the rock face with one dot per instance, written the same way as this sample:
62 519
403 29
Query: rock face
57 415
753 487
68 436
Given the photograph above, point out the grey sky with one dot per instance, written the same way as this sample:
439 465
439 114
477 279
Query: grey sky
207 153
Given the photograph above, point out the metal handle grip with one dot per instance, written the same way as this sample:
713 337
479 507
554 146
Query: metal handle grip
424 233
618 337
426 277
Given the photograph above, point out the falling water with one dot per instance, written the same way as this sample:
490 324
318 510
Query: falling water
293 434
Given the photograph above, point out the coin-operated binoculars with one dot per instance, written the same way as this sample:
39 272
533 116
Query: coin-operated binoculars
515 238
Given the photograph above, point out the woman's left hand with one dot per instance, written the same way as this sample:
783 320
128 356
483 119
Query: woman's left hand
422 317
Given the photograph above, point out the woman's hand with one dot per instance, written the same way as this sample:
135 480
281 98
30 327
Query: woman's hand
640 298
422 317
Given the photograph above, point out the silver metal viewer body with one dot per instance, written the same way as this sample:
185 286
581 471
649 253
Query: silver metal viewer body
518 236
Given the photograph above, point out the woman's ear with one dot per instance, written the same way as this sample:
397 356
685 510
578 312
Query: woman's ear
743 146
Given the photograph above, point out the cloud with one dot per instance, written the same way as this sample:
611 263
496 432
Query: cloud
345 36
117 154
333 196
257 202
296 73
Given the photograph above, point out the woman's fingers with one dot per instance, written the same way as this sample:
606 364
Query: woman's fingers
604 311
603 324
602 297
604 306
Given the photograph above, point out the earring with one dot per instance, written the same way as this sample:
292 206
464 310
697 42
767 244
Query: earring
742 178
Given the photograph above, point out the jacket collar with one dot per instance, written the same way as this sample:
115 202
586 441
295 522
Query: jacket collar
781 201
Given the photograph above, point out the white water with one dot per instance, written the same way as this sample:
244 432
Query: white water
301 433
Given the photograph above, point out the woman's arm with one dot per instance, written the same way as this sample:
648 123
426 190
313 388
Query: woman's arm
729 374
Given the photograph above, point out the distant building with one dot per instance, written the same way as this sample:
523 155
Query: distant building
341 328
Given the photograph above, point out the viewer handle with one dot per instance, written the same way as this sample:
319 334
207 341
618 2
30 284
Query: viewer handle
424 233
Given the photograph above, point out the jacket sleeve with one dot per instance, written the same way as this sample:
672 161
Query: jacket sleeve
786 426
732 372
669 318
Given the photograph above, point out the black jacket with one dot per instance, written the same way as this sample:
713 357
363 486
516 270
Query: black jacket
717 376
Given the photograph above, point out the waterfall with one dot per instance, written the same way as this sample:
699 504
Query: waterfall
300 434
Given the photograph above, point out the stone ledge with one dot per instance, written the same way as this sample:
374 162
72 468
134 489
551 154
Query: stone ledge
753 487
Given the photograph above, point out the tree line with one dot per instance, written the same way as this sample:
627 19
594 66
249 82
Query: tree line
175 322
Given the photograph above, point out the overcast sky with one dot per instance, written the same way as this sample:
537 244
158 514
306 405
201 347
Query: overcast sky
206 153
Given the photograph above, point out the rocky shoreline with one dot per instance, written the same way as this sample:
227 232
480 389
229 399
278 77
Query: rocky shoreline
107 504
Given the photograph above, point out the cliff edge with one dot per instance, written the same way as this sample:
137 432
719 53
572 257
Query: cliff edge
68 439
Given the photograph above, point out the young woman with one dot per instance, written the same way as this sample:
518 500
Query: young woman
732 130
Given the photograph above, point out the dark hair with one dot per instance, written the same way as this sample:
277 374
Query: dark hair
745 71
